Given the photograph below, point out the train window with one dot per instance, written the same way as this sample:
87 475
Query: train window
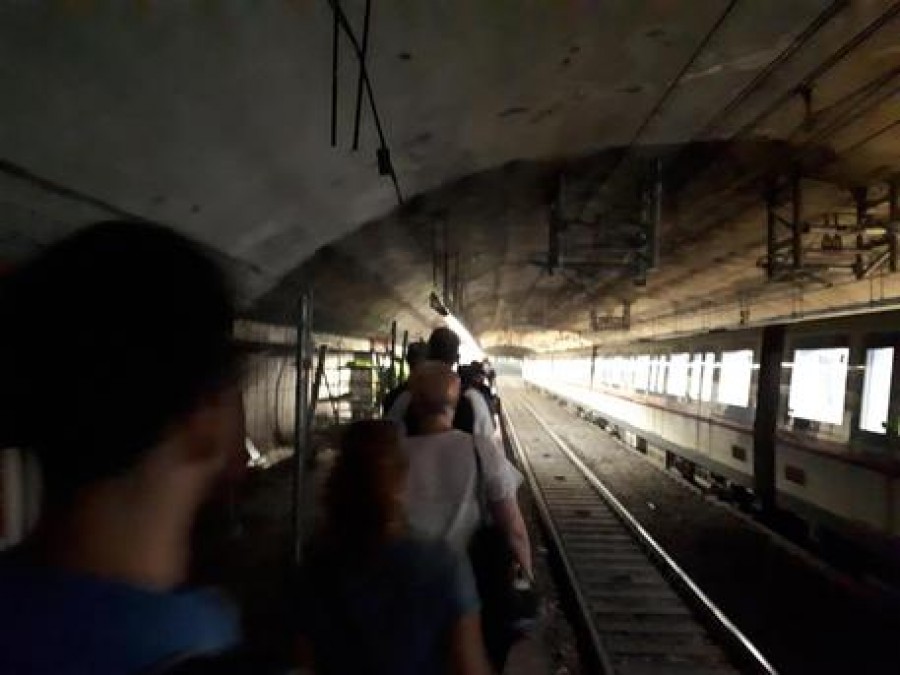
694 377
678 375
818 384
876 390
629 372
734 379
709 368
660 385
642 373
619 368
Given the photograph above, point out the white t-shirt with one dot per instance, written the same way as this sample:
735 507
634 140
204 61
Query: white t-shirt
441 487
482 420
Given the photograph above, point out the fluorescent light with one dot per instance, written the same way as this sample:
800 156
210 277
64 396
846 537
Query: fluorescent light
469 349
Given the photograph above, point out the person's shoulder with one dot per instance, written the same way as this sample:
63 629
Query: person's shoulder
397 407
129 626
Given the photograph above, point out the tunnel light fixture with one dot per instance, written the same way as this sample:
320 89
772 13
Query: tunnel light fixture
469 349
437 305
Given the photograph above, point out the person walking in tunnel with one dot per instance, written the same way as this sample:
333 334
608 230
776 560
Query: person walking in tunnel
119 374
471 415
477 381
459 487
416 354
374 597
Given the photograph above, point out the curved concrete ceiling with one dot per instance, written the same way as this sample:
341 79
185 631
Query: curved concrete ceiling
214 117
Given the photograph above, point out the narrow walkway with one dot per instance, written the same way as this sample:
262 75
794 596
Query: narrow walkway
248 557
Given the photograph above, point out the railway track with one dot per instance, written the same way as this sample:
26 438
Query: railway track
642 613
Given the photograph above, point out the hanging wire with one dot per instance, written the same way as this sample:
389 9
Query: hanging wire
385 165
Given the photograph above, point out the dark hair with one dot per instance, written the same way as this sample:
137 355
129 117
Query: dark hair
443 345
361 498
466 376
416 352
109 337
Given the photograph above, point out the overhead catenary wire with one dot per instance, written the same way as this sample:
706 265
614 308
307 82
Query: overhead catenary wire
785 55
335 34
359 80
821 69
698 50
664 97
799 41
766 292
825 66
384 150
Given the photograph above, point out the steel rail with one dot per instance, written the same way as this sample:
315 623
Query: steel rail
547 520
738 645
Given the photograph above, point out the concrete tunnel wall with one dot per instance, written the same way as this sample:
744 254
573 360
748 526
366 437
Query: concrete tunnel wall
269 379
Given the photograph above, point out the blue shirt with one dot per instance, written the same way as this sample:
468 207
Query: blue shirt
389 616
52 621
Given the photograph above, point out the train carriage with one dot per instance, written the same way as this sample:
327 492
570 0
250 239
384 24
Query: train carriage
802 416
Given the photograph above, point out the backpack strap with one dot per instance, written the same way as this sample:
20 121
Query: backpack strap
480 491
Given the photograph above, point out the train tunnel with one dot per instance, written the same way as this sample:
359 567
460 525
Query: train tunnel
668 227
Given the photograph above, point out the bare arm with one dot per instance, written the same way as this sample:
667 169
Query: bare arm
467 655
508 517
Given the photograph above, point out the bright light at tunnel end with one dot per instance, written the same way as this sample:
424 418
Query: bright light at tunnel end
469 349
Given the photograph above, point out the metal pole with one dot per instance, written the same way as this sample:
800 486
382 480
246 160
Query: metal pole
301 404
316 386
860 197
446 297
403 355
434 256
393 376
771 233
893 221
796 221
334 77
457 284
657 217
359 81
764 467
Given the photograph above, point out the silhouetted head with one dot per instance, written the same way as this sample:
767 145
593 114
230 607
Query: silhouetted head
466 376
443 345
364 496
416 354
479 372
116 342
